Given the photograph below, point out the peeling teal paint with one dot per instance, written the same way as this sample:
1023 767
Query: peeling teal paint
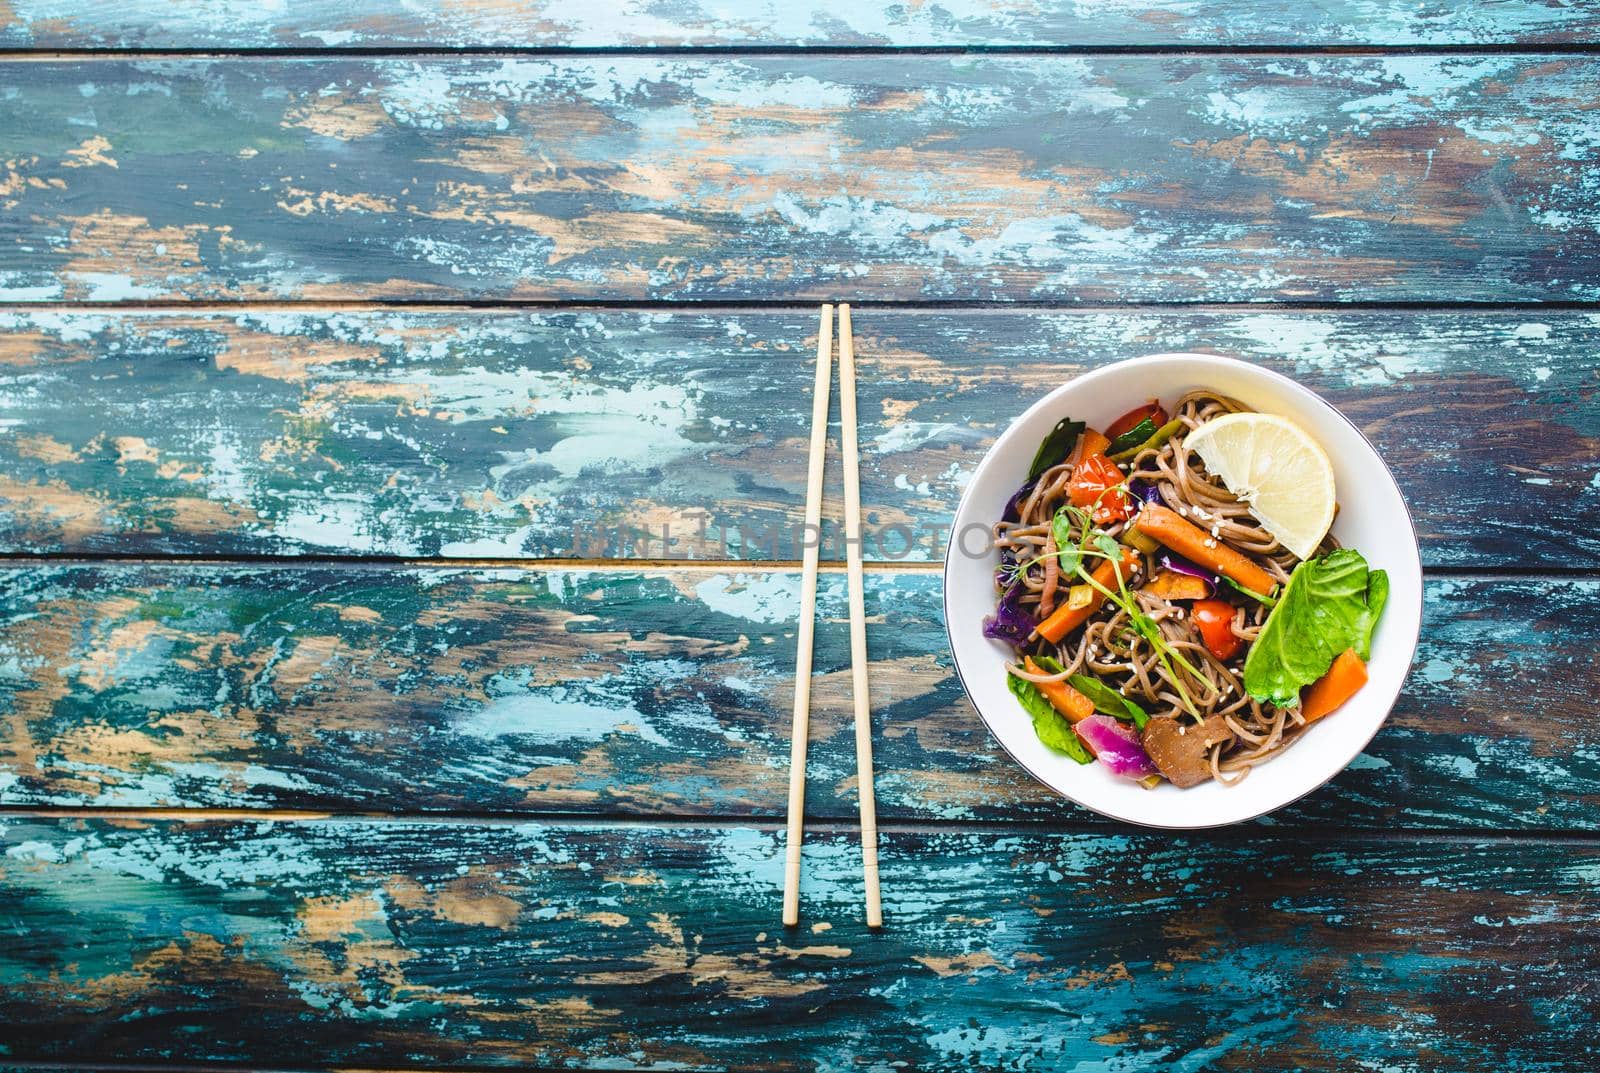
1110 969
584 434
1053 178
601 692
618 695
562 23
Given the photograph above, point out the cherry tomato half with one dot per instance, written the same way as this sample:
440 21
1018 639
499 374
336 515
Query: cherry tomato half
1094 483
1214 620
1127 421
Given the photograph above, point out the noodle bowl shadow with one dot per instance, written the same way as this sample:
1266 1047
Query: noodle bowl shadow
1372 519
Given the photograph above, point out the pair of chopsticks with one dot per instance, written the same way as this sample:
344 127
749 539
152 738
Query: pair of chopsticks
858 619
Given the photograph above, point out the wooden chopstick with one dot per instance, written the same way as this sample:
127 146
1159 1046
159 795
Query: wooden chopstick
806 630
858 616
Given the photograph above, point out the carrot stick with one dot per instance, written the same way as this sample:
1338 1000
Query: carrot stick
1344 678
1062 697
1192 542
1066 618
1091 443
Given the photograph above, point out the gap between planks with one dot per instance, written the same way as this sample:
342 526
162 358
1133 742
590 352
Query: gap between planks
100 1065
29 560
436 52
787 305
842 825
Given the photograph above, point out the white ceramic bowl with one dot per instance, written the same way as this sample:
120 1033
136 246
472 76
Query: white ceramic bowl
1372 519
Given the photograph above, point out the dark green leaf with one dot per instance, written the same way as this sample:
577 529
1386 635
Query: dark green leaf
1052 728
1324 610
1108 701
1162 435
1260 597
1056 446
1133 437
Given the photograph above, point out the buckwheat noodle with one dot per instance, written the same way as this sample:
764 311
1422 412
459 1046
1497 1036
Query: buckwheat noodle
1109 648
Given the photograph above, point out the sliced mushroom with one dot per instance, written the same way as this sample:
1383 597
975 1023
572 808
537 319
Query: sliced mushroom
1181 749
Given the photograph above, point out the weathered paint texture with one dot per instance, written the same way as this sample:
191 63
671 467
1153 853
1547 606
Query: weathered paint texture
668 692
1063 178
1435 907
626 435
311 24
478 946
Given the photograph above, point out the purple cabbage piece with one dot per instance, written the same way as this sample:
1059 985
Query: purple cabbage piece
1115 745
1147 491
1010 623
1179 565
1013 511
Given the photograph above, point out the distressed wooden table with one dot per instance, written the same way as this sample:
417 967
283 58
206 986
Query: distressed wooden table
402 416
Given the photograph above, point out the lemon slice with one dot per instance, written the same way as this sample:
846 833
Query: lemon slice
1277 469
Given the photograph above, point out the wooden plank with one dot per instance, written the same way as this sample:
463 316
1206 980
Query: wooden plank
1106 178
304 24
317 944
667 692
477 434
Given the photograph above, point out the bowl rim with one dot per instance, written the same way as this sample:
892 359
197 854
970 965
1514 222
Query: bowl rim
1155 359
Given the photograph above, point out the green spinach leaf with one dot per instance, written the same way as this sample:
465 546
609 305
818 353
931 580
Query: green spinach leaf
1329 605
1056 446
1052 728
1377 596
1108 701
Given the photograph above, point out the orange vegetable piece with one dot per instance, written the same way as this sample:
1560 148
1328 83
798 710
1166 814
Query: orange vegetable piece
1171 585
1062 697
1066 618
1093 484
1189 540
1347 675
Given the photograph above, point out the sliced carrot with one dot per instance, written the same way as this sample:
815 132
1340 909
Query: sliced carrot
1062 697
1068 618
1192 542
1347 675
1170 585
1091 443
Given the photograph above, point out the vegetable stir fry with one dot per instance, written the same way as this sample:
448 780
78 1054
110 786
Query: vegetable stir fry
1176 604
